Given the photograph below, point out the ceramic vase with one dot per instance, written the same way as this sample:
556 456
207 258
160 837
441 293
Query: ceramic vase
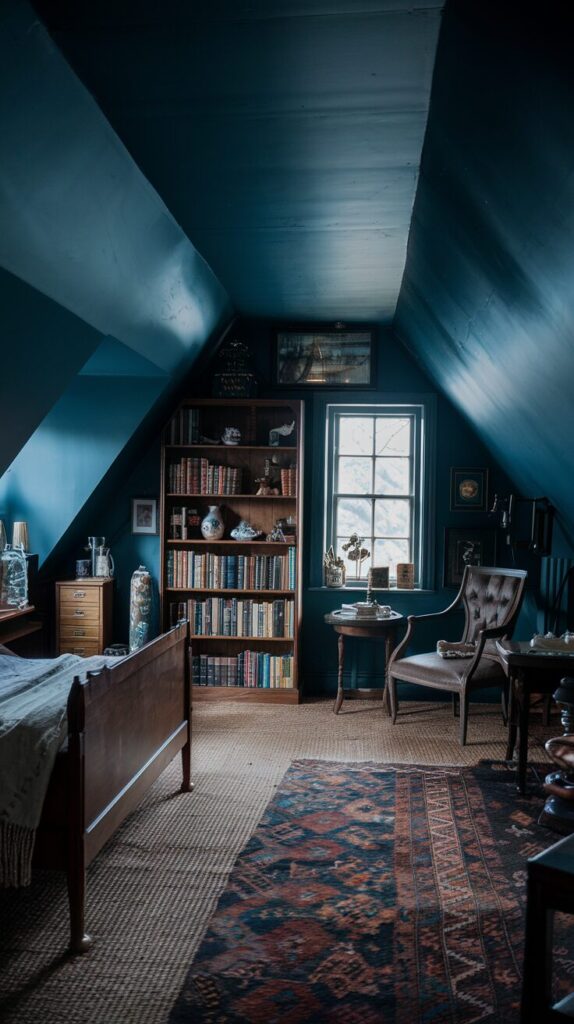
212 525
13 578
140 608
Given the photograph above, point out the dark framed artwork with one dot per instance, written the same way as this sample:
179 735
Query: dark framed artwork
330 357
144 515
464 547
468 489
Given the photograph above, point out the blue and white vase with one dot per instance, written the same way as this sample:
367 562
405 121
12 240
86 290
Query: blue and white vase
140 608
212 525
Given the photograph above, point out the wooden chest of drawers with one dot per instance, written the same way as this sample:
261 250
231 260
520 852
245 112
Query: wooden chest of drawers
83 616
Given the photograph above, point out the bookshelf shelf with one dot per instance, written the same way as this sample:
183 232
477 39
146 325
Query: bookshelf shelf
263 578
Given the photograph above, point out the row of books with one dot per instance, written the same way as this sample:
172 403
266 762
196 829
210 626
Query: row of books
183 428
250 668
208 571
232 616
184 523
289 482
200 476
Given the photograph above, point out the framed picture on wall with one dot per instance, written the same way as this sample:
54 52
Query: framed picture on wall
468 489
464 547
144 515
325 357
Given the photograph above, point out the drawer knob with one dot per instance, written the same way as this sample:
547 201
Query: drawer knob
79 632
79 611
79 593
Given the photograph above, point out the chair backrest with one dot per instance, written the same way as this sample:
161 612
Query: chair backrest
491 597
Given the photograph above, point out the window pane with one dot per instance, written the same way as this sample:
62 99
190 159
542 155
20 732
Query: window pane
355 475
356 435
392 517
392 476
393 435
351 566
389 552
353 516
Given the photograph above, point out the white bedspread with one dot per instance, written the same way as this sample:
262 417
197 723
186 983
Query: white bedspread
33 697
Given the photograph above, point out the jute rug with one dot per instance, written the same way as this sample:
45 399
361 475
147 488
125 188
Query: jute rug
154 887
372 893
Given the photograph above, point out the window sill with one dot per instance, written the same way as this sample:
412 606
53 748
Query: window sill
363 589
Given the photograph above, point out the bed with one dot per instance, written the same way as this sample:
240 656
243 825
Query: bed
125 723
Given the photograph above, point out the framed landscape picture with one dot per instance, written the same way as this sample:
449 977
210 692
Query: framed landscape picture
468 489
329 358
464 547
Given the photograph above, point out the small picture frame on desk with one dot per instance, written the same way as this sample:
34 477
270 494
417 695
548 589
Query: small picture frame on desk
464 547
144 515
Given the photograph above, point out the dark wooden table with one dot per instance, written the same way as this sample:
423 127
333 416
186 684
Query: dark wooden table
17 622
550 888
378 628
528 672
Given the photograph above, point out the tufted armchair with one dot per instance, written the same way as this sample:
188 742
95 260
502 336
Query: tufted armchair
491 599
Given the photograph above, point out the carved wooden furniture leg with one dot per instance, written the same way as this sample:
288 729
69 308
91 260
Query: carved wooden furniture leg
463 712
76 868
511 743
390 644
339 698
523 715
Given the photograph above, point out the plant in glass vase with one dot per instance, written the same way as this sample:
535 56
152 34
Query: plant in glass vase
356 552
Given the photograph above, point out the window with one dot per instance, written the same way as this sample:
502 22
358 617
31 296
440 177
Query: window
375 484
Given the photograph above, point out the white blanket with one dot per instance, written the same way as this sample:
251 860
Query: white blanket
33 698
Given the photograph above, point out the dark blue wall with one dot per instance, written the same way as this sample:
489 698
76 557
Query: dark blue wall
487 303
456 445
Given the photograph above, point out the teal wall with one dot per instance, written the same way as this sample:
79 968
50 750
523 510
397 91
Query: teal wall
456 445
487 303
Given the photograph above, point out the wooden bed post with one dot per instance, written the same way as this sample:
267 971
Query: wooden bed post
186 783
76 867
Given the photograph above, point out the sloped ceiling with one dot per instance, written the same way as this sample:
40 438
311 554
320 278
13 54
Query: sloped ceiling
283 135
487 302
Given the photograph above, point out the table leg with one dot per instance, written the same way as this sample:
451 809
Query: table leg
511 743
339 698
390 644
523 697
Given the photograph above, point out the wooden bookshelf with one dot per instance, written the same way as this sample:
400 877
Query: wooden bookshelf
213 582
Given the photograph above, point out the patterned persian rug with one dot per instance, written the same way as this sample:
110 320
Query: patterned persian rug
374 894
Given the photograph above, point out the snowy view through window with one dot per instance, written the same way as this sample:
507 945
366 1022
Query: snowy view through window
373 492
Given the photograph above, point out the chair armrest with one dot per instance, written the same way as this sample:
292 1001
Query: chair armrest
412 621
485 634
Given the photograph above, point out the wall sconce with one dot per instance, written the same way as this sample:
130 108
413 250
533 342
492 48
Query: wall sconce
527 520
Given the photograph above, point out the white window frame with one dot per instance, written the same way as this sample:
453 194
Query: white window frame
421 492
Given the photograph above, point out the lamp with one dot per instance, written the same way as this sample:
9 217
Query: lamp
529 527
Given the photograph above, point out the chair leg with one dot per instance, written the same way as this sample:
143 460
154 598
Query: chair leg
463 717
504 703
455 705
394 704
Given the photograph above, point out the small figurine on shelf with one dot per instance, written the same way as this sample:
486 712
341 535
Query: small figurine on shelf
357 553
282 435
266 489
244 531
276 536
334 569
231 435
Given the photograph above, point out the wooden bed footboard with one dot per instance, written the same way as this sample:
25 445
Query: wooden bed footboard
125 724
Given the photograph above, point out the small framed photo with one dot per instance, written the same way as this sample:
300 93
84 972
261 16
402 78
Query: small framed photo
464 547
144 515
328 357
468 489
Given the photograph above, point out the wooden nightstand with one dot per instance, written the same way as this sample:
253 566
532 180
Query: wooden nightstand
84 616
